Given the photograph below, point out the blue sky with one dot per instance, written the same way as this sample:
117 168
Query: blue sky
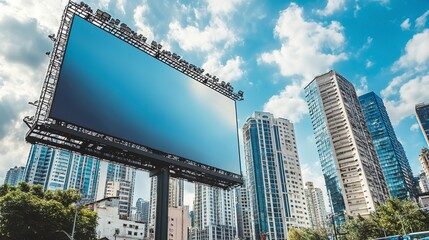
268 49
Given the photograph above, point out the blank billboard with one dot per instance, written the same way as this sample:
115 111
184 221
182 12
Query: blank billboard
108 86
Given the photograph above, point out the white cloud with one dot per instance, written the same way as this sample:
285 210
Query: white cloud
288 103
421 21
331 7
416 53
191 38
120 5
415 127
405 25
369 63
392 87
307 48
409 94
223 6
363 87
228 72
140 21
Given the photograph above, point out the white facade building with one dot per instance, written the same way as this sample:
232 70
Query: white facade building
274 178
316 206
350 165
214 213
111 225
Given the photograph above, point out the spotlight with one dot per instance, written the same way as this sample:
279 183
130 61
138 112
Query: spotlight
47 53
52 37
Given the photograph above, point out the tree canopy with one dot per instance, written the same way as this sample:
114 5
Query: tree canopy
396 217
306 234
26 212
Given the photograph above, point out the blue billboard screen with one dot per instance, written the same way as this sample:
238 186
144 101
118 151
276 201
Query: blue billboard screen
108 86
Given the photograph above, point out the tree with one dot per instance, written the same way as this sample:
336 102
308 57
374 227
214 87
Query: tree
398 217
28 213
306 234
359 228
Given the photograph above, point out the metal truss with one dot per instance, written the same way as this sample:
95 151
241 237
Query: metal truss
51 132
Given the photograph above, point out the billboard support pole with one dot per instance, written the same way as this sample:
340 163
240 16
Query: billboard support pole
161 227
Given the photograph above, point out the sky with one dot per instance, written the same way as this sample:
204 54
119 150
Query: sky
269 49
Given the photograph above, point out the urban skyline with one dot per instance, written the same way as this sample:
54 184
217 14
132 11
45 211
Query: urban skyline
411 25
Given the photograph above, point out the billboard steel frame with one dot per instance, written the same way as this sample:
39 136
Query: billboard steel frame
51 132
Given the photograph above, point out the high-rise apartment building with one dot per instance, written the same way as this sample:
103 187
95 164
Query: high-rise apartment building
316 206
274 178
175 199
14 176
422 114
214 214
424 160
179 223
244 224
350 165
117 180
142 210
391 154
59 169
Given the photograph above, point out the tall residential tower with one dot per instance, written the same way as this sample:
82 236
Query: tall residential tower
350 166
273 176
316 206
391 154
422 114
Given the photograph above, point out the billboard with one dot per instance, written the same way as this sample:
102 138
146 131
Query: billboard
109 86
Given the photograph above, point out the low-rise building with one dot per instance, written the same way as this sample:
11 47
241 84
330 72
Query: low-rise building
111 226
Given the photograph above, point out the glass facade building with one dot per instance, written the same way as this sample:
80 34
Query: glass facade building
391 154
274 179
14 176
422 113
350 166
59 169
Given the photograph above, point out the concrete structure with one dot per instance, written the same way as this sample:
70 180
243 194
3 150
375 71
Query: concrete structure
422 114
424 160
391 154
111 225
179 223
423 182
175 199
214 214
273 176
350 165
14 176
142 210
316 206
244 224
423 200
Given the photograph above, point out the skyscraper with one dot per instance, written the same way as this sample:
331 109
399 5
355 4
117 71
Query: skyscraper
391 154
214 214
117 180
423 182
175 199
14 176
422 114
244 224
273 176
142 207
424 160
350 166
316 206
59 169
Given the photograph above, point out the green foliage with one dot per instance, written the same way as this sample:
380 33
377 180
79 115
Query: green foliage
306 234
396 217
26 212
359 228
